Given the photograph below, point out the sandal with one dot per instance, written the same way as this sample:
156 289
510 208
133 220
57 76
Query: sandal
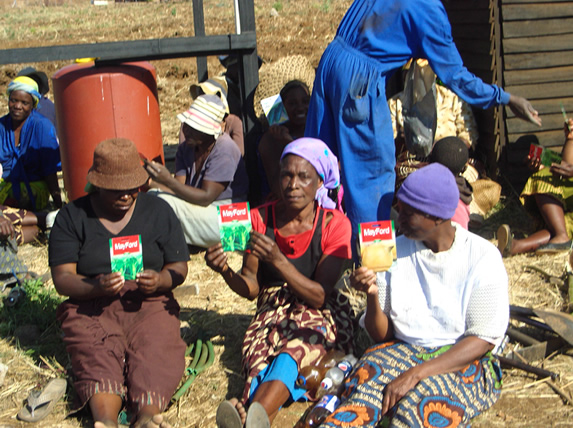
41 403
228 416
550 248
257 417
504 240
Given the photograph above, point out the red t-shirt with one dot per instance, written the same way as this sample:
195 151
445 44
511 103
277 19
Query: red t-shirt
335 235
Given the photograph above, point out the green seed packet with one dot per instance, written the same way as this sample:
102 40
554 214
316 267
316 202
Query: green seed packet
126 256
235 226
549 157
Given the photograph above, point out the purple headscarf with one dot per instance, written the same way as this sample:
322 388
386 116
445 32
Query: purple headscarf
323 160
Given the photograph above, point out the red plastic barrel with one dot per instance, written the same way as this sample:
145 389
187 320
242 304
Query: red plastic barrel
97 103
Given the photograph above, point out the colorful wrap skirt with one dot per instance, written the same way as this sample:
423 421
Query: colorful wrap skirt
447 400
544 182
284 324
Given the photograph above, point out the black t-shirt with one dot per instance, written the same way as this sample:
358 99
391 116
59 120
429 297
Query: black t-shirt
79 237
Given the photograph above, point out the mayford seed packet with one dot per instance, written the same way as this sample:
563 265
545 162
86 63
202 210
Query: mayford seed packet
126 256
377 244
235 226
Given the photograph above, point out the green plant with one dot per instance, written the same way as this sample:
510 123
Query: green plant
278 6
37 307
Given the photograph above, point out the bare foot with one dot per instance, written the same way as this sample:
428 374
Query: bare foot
156 421
240 409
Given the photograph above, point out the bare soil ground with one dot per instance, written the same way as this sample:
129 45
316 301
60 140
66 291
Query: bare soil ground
300 28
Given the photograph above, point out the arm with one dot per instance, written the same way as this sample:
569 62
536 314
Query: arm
377 323
172 274
69 283
461 354
270 149
203 196
565 169
54 188
245 284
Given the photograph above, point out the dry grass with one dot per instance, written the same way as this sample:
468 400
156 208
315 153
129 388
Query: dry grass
216 312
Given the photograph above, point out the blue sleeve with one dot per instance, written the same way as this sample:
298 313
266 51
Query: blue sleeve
435 43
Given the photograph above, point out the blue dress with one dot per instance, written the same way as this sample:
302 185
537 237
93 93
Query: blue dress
37 156
348 108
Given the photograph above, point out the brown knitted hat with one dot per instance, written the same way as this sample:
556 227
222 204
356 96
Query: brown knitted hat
117 166
272 77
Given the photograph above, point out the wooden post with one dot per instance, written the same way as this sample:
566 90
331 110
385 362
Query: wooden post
199 24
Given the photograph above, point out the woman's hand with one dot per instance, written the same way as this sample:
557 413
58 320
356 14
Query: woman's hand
568 129
563 170
533 163
148 281
398 388
280 134
111 283
216 258
6 228
158 172
364 279
265 248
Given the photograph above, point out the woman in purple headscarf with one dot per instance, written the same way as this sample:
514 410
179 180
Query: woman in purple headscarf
299 246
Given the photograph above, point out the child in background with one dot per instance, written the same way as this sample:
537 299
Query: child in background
452 152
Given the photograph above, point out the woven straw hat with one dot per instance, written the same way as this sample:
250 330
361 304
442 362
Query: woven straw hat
485 195
272 77
205 115
117 166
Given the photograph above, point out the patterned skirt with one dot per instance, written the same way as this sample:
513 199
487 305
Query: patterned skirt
447 400
284 324
544 182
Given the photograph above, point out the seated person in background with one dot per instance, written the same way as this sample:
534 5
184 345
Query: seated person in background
453 154
122 334
435 317
45 106
29 150
209 171
295 97
24 225
298 251
232 124
548 192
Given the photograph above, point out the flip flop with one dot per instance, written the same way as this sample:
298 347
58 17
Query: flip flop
41 403
504 240
228 416
550 248
257 417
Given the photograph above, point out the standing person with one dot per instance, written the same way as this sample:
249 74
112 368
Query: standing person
29 150
435 317
348 108
298 251
122 334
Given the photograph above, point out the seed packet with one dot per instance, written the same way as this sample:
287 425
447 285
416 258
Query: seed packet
377 241
545 155
235 226
126 256
274 110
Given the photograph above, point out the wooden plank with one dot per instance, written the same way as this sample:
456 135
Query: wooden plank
135 50
532 1
478 46
479 31
535 27
551 122
537 60
546 139
542 75
561 42
542 90
199 26
466 17
515 12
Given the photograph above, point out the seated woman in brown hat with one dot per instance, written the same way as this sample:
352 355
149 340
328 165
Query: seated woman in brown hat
120 323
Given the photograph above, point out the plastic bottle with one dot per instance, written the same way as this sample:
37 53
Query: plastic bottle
310 376
320 412
334 377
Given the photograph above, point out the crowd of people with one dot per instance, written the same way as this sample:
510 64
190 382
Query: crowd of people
433 318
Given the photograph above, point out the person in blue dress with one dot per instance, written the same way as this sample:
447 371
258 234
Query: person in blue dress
348 108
